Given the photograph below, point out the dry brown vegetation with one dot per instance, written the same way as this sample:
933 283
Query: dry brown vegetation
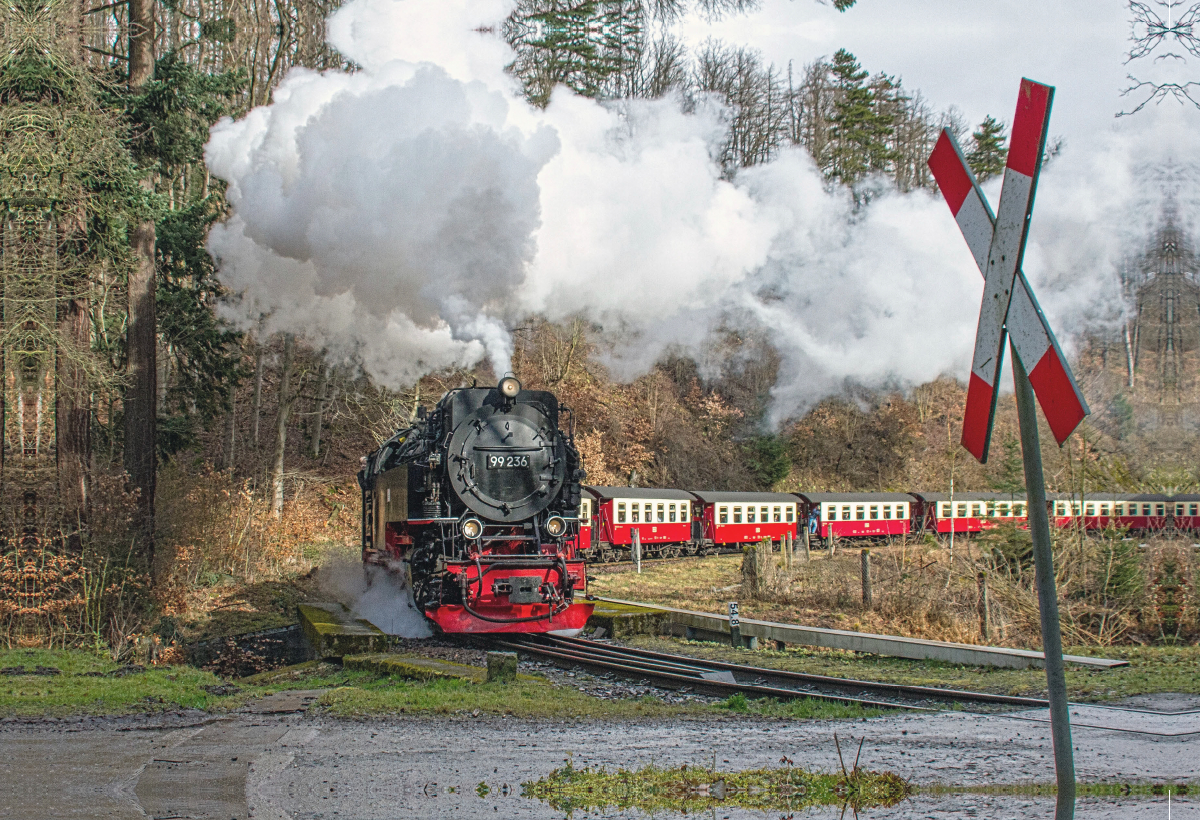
1112 591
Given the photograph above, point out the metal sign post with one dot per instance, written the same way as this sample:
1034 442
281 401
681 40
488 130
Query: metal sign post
1010 313
735 626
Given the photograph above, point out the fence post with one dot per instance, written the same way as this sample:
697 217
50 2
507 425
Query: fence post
832 544
637 549
786 545
866 578
984 613
807 554
750 580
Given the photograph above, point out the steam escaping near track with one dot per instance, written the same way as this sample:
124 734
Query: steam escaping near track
386 601
412 211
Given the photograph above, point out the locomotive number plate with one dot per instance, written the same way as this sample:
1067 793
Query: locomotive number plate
505 462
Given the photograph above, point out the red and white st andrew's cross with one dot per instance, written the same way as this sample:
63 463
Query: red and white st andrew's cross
1009 308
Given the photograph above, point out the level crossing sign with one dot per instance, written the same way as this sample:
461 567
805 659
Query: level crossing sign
1009 309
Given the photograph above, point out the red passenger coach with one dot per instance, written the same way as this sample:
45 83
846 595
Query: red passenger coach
662 518
969 512
1147 511
857 515
729 519
1187 512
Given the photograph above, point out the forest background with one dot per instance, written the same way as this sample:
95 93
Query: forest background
150 449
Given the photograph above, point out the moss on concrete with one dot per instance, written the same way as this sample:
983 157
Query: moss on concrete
334 632
413 667
623 620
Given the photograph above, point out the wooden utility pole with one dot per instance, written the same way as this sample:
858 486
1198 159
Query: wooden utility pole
141 337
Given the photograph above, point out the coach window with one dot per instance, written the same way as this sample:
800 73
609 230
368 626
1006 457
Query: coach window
1145 509
749 515
1002 510
1160 509
637 513
684 510
662 513
1103 508
831 513
902 511
1018 510
776 514
887 512
961 512
1192 509
845 512
737 515
1118 509
723 514
860 513
944 511
621 513
1089 509
585 512
671 512
1061 508
874 513
788 512
977 511
1179 509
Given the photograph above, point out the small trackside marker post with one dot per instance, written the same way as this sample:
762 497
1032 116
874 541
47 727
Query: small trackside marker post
1010 313
735 626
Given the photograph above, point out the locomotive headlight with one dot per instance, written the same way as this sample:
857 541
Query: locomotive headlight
555 526
472 528
510 387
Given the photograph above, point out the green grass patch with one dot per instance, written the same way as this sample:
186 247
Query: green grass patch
92 684
695 789
1151 669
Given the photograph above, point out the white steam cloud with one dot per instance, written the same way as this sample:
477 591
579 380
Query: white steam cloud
412 211
375 595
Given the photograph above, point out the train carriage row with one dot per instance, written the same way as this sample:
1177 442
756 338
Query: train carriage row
672 522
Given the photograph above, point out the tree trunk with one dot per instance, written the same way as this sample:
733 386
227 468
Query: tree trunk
286 398
71 411
319 410
141 43
141 340
230 432
258 380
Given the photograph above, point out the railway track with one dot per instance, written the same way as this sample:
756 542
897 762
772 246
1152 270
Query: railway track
725 679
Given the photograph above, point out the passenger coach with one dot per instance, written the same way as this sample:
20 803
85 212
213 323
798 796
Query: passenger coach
1146 511
730 519
969 512
662 519
857 515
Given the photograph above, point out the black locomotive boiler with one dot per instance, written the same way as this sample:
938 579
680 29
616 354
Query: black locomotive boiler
477 502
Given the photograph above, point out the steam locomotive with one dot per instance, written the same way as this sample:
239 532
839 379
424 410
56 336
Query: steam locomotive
477 504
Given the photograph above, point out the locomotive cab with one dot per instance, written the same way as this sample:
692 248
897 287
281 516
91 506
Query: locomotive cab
477 504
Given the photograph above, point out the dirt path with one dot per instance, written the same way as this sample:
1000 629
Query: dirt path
278 763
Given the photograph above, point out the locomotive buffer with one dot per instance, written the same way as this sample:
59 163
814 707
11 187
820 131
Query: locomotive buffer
1011 313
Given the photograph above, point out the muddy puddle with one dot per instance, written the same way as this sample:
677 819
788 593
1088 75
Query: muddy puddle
281 762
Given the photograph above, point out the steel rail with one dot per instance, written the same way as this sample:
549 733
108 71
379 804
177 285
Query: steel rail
680 680
628 660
